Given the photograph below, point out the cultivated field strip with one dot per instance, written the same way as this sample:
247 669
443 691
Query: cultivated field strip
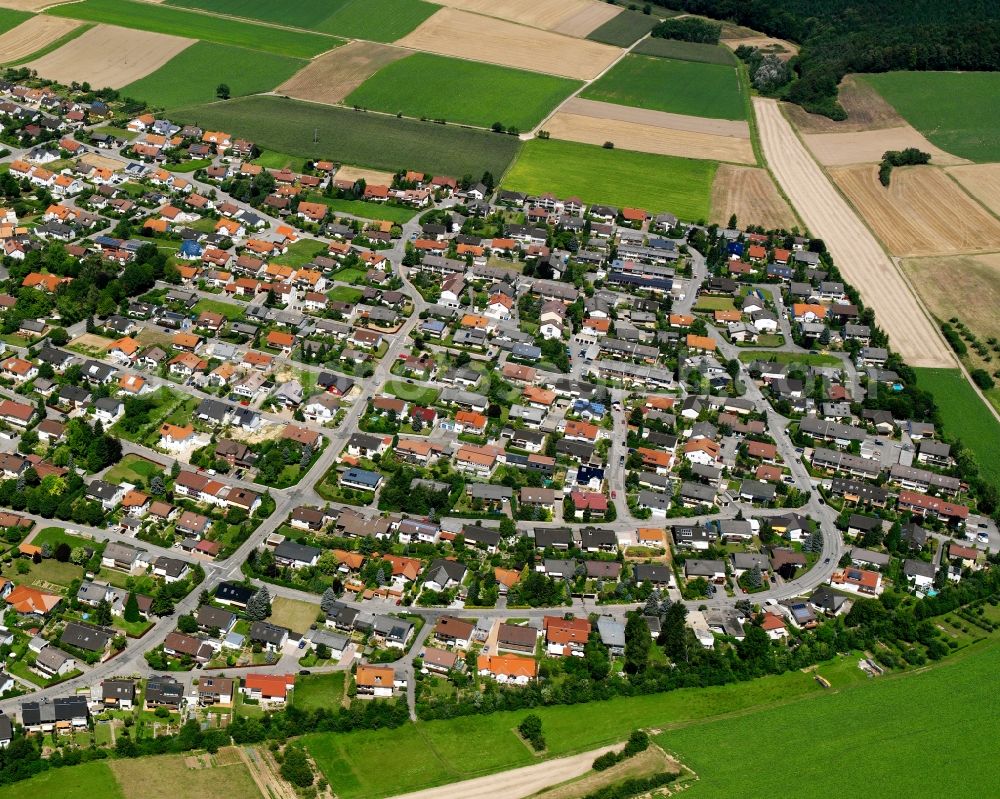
660 119
32 35
465 35
858 255
107 55
648 138
749 193
868 146
329 78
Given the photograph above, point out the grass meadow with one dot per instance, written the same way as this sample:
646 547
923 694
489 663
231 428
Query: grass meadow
179 22
376 20
666 84
619 177
687 51
438 752
955 110
318 690
351 137
86 781
192 76
625 28
436 87
896 733
964 416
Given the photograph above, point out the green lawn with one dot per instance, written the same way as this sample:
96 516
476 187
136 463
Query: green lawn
351 137
274 160
412 393
687 51
376 20
625 28
318 690
424 85
132 468
619 177
891 733
178 22
229 310
965 417
438 752
709 302
54 536
191 76
810 358
301 252
955 110
393 213
666 84
49 575
348 275
294 614
86 781
345 294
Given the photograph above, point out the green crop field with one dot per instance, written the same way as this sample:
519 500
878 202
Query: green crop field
307 14
437 752
687 51
178 22
890 734
77 782
681 186
666 84
10 19
351 137
964 416
955 110
192 75
456 90
377 20
625 28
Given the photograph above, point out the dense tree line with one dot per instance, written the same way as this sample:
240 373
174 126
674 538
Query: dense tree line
688 29
842 36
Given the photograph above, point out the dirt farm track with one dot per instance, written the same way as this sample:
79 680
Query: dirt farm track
859 256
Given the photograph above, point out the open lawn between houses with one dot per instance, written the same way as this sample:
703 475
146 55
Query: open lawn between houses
964 416
437 87
371 140
133 468
681 186
192 76
891 733
955 110
294 614
169 777
665 84
178 22
412 393
367 210
319 691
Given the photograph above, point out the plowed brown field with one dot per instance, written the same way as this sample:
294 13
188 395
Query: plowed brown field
334 75
107 55
857 254
982 181
749 193
32 35
496 41
922 212
868 146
